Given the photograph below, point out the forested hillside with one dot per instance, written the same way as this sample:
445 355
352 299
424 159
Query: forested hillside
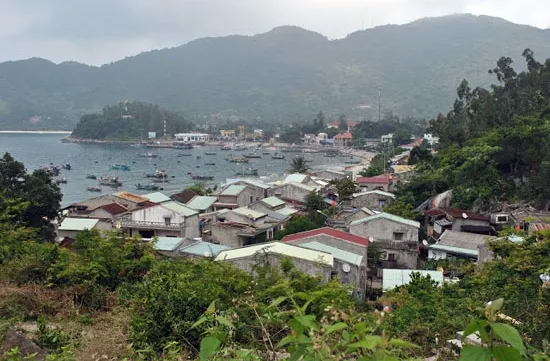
129 120
286 74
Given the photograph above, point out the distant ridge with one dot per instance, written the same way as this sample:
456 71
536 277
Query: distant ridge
285 74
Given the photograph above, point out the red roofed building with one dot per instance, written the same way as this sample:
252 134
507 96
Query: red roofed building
382 182
331 237
343 139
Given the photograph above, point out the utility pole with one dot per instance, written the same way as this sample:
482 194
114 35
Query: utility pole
379 106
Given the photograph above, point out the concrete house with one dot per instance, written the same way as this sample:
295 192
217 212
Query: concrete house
183 197
292 192
397 237
329 174
374 200
202 249
235 196
454 244
106 210
168 246
260 188
202 204
349 252
392 278
70 227
157 197
170 219
438 220
311 262
342 140
381 182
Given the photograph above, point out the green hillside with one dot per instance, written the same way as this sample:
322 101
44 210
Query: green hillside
285 74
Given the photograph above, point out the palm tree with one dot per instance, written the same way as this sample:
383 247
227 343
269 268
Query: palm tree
298 165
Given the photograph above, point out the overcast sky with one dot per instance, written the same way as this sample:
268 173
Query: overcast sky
101 31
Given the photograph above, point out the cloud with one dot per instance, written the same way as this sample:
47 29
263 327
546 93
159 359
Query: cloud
100 31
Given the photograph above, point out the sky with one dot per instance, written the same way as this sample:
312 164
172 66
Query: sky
101 31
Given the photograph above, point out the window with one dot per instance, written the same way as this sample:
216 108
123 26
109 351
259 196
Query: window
392 257
251 199
167 221
381 203
398 236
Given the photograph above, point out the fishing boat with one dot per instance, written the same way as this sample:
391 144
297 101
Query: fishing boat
277 156
209 163
61 181
185 155
209 153
252 155
226 147
53 170
91 176
202 177
266 153
248 172
120 167
160 180
94 189
148 155
240 147
147 187
352 162
160 174
331 155
237 160
66 166
109 181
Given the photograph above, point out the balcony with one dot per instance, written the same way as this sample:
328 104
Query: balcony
128 223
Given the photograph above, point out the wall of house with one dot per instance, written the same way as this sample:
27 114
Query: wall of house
329 175
311 268
371 201
355 216
459 222
227 199
226 235
403 255
289 191
334 242
191 227
355 277
234 217
259 193
100 213
156 214
248 196
157 232
384 229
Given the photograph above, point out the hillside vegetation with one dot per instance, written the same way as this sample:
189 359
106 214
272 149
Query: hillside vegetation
284 75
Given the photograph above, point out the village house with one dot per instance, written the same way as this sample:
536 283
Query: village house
131 201
343 140
183 197
387 138
70 227
99 208
373 200
382 182
157 197
201 249
235 196
349 252
259 188
167 246
202 204
529 220
437 220
395 236
392 278
430 139
329 174
455 244
292 192
311 262
170 219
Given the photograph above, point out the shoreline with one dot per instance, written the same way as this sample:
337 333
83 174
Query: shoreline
35 132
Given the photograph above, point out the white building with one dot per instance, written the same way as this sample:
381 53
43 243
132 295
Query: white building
192 137
388 138
431 139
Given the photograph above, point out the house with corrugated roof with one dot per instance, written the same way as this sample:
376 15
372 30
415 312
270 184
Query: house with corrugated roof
438 220
373 200
157 197
168 246
235 196
311 262
202 249
292 192
169 219
342 140
392 278
455 244
202 204
69 228
382 182
395 237
259 187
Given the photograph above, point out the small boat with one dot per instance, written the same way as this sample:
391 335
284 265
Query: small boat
159 180
185 155
148 155
209 153
147 187
248 172
53 170
257 148
66 166
209 163
91 176
240 147
331 155
226 147
266 153
61 181
198 157
352 162
94 189
120 167
109 182
252 155
160 174
237 160
202 177
276 156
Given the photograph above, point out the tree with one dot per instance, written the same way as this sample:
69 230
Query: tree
371 171
346 187
298 165
38 189
314 202
401 136
419 154
199 188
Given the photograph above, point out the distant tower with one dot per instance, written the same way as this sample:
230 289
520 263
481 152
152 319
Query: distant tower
164 127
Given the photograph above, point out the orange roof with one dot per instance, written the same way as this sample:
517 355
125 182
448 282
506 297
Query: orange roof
131 197
346 135
329 232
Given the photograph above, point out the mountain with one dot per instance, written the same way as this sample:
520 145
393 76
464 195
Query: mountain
286 74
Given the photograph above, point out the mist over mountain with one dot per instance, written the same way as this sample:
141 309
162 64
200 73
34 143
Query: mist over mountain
285 74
